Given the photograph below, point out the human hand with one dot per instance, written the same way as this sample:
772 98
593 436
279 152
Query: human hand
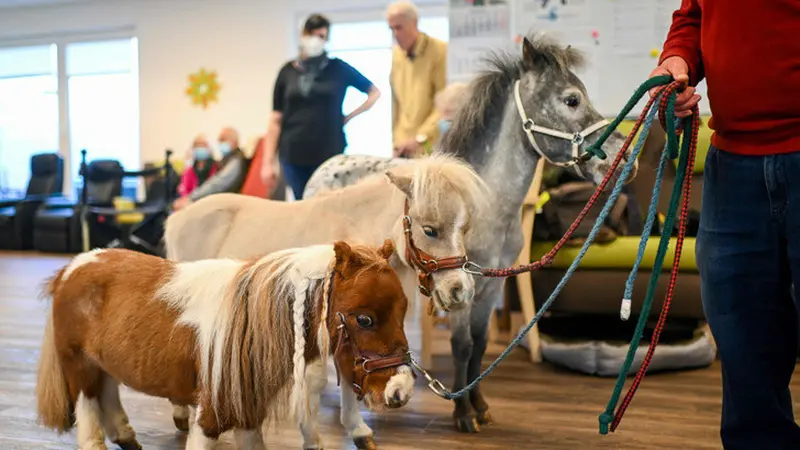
268 176
180 203
408 149
676 67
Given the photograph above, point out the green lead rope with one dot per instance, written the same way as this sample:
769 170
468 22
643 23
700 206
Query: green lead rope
672 146
596 148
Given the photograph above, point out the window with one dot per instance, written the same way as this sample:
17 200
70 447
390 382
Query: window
63 96
28 112
371 132
103 102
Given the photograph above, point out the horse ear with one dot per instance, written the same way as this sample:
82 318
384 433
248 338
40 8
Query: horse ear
387 250
343 252
530 56
403 183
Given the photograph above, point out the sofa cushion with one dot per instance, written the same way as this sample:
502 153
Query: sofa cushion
618 255
54 219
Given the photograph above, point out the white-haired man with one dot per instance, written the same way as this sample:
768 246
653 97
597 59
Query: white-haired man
419 71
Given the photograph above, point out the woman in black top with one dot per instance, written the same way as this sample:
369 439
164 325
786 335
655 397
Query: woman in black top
306 126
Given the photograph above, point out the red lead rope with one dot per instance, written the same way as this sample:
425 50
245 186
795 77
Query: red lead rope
687 190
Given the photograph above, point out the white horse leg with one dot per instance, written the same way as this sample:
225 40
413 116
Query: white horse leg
114 419
180 416
88 418
316 380
249 439
197 440
353 422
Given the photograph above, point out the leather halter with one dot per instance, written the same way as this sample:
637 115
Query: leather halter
577 139
425 263
365 362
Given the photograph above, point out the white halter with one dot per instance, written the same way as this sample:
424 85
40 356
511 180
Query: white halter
577 139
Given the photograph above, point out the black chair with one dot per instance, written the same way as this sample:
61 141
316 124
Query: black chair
140 228
57 225
16 215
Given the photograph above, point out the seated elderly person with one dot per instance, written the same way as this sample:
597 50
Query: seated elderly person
229 174
202 168
447 101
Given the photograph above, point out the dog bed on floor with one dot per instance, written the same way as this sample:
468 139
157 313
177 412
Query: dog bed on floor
605 358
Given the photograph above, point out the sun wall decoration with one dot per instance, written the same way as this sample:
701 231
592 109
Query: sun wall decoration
203 87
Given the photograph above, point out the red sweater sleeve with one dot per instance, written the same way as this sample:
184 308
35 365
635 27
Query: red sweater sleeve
683 39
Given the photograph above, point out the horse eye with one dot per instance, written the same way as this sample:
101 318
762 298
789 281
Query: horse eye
364 321
430 231
572 101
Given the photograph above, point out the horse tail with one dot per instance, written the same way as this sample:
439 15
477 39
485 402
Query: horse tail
55 407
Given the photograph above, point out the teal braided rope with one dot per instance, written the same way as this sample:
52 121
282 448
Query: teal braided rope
596 148
615 193
607 416
648 224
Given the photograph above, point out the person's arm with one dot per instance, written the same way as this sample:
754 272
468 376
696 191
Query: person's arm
395 104
373 94
430 126
683 39
222 181
356 79
274 123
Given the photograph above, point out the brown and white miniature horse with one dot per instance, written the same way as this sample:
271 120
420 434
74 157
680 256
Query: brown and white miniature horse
231 338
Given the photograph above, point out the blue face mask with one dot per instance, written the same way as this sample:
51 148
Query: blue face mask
444 125
201 153
224 148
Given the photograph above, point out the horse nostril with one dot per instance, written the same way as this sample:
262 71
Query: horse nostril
455 294
397 398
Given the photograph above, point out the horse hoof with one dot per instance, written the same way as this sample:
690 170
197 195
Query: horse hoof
365 443
181 424
484 418
130 445
468 425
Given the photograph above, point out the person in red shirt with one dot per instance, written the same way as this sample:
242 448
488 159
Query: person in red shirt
748 245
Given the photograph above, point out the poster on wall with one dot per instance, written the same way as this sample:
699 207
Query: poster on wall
203 87
476 29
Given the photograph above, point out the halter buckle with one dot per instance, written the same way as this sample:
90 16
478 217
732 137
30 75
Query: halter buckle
578 139
528 124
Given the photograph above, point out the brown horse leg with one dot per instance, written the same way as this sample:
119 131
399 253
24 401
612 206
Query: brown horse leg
115 420
204 431
85 381
180 416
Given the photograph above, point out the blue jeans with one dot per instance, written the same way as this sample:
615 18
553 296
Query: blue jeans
297 177
748 254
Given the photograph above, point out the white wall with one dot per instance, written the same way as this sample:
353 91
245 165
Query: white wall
245 41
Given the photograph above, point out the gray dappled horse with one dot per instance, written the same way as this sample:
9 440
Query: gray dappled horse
518 111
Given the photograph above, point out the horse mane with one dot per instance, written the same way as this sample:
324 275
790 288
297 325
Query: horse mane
487 94
258 363
434 180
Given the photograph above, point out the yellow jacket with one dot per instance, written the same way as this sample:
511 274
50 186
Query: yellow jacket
415 81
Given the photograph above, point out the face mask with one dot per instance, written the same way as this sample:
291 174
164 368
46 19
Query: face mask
444 125
201 153
224 148
312 45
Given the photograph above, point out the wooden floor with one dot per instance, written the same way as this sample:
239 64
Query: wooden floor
534 406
